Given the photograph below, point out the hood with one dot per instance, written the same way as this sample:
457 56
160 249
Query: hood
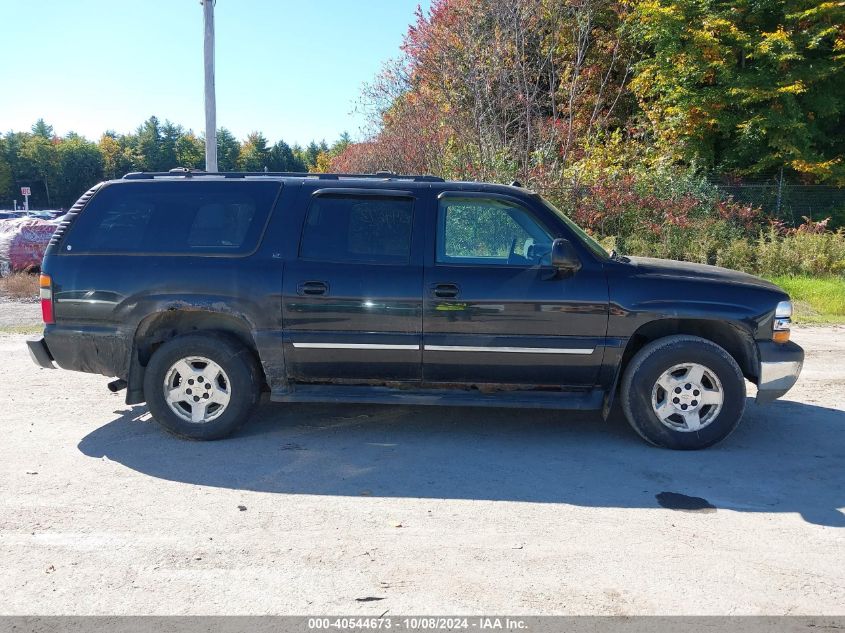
651 266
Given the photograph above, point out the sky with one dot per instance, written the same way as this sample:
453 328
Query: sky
290 69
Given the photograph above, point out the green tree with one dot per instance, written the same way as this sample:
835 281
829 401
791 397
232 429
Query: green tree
148 145
282 158
40 128
21 170
300 155
254 155
745 86
311 153
118 158
168 156
228 150
190 151
79 166
40 160
6 179
340 145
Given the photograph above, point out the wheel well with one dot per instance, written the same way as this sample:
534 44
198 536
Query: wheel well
157 329
736 342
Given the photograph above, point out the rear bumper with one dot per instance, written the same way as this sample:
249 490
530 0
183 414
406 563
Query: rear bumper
95 350
88 349
39 353
780 366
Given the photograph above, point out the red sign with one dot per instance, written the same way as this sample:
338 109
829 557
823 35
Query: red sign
25 191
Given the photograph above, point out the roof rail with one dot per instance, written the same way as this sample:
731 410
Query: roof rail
197 173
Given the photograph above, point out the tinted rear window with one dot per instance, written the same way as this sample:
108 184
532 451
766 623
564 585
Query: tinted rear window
174 217
346 228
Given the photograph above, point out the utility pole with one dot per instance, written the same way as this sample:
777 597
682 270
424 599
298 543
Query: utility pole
210 102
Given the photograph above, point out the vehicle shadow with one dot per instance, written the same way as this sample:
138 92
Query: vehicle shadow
785 457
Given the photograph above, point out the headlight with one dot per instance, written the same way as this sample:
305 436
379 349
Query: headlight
783 320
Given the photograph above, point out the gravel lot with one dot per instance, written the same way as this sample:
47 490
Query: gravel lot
363 509
17 313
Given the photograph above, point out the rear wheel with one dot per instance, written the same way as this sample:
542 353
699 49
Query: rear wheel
683 392
202 386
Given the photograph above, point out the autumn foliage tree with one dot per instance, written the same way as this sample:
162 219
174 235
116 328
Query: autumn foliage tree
745 86
496 90
493 90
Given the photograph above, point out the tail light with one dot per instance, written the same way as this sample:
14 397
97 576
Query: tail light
46 286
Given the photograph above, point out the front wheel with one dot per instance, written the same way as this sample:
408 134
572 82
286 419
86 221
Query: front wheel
683 392
202 386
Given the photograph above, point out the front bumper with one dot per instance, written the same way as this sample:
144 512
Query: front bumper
39 353
780 365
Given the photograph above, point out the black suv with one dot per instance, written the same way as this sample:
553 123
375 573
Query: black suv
197 291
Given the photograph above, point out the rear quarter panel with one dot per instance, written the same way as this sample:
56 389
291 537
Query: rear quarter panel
101 299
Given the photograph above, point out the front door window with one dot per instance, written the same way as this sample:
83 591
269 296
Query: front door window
490 232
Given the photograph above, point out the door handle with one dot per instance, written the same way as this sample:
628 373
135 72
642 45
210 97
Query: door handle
445 291
312 288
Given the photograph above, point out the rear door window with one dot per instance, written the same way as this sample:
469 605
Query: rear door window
221 224
358 228
174 218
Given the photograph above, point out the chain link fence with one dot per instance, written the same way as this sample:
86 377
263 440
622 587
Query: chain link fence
791 202
778 199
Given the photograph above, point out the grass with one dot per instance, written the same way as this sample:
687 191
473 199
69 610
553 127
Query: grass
816 299
21 329
19 286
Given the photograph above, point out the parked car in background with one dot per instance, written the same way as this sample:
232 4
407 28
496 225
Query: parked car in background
45 214
41 214
11 215
23 241
198 291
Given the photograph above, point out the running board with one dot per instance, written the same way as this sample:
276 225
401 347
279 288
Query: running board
583 400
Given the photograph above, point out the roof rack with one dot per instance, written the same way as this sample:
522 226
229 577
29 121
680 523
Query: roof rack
196 173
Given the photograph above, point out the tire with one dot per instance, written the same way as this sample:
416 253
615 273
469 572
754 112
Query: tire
225 398
664 398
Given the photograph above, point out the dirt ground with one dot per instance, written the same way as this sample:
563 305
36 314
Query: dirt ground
19 313
318 509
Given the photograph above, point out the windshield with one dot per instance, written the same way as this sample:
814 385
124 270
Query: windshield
588 241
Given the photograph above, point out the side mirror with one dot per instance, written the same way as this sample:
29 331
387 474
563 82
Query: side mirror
564 257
